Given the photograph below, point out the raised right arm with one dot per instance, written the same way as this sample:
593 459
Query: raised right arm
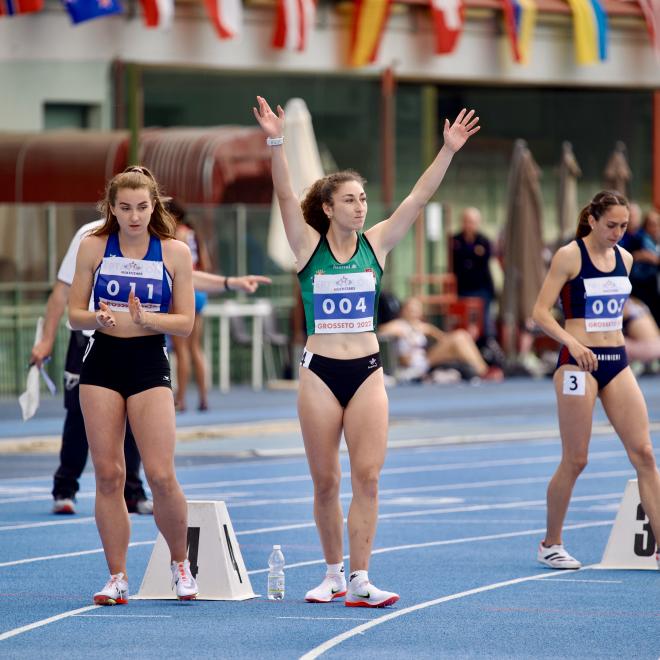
302 237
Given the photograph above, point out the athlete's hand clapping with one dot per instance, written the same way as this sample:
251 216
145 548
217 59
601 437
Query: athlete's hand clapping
104 317
135 309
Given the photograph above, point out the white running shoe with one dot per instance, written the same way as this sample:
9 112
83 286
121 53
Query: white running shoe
182 579
556 556
64 506
333 586
366 595
115 591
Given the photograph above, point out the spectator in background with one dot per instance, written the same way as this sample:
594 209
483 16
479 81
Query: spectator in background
418 357
641 333
471 264
189 349
646 256
630 240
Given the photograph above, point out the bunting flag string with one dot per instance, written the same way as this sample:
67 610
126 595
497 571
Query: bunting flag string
651 11
226 16
14 7
369 21
448 17
86 10
293 23
519 23
158 13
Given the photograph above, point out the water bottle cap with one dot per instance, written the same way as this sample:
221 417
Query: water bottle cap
277 547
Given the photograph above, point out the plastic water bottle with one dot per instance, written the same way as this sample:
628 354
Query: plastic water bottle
276 574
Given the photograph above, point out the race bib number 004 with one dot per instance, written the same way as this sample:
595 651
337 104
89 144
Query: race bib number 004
344 303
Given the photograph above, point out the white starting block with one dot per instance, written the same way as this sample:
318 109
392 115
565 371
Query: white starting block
214 555
631 544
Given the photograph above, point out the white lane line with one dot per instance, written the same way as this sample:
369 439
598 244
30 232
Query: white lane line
431 544
50 523
125 616
323 618
66 555
529 532
45 622
596 581
358 630
384 516
384 492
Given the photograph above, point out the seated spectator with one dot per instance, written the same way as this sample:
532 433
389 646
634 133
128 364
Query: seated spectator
418 358
630 241
641 332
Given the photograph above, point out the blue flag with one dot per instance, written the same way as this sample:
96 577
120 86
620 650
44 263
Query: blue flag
85 10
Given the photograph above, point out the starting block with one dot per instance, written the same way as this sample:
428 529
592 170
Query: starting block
215 558
631 544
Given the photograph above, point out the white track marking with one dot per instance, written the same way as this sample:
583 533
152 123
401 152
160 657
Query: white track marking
50 523
358 630
66 555
492 537
45 622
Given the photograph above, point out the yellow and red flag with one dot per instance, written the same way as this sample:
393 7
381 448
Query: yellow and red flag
369 21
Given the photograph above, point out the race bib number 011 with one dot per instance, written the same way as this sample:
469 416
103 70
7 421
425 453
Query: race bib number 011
120 275
603 306
344 303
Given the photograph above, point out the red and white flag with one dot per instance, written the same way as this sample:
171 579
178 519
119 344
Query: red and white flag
448 17
226 16
293 24
158 13
651 11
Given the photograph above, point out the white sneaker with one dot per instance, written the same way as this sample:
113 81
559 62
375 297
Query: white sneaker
64 506
366 595
182 579
115 592
333 586
556 556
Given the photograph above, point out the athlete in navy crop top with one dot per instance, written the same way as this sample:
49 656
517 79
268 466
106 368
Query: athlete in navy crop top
590 277
141 280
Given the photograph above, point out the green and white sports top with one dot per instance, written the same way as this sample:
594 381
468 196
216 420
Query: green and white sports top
341 297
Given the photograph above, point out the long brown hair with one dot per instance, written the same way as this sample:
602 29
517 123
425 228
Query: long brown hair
321 193
601 202
161 224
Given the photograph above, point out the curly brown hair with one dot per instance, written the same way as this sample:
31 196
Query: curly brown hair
135 177
321 193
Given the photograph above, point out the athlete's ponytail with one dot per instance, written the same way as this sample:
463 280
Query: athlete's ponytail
321 193
596 208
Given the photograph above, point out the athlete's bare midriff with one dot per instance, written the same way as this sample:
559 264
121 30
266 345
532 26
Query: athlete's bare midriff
575 328
343 346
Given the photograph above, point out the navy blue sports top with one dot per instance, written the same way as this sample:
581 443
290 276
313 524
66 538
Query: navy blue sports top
148 277
595 296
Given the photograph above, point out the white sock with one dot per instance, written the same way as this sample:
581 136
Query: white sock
357 578
335 569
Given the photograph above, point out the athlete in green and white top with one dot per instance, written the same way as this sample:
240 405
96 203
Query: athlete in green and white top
341 385
341 297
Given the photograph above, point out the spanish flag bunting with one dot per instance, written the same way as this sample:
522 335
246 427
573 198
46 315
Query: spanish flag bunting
369 20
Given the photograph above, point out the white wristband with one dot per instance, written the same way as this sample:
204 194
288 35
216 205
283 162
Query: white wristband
275 142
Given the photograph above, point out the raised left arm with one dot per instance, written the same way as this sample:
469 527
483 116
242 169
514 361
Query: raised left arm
386 234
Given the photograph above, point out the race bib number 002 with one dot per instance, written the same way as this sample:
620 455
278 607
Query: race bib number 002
603 306
344 303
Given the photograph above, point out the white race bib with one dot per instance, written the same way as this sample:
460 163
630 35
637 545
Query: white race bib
344 302
574 383
604 301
